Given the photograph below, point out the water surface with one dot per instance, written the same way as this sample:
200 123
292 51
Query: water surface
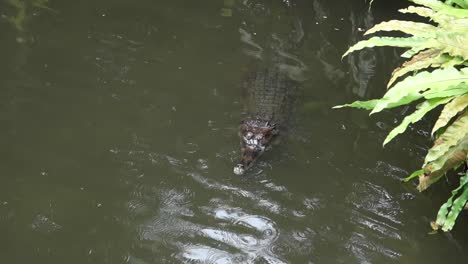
119 134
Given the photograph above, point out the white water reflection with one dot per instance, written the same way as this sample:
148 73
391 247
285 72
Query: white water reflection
204 254
238 222
271 206
255 241
233 237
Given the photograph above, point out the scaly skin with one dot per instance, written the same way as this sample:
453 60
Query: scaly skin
268 104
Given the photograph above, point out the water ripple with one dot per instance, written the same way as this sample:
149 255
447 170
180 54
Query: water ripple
263 203
375 214
237 223
209 255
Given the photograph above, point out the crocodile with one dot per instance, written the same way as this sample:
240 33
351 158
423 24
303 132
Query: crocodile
269 99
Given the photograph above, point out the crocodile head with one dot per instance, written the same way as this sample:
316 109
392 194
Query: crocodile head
256 136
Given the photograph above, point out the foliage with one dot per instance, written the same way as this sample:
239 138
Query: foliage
446 219
435 74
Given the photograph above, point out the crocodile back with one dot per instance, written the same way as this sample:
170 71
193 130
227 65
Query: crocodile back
269 96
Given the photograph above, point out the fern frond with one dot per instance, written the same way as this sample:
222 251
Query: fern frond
457 25
444 47
442 8
418 10
386 41
455 44
427 12
408 27
423 60
450 110
454 157
453 134
449 151
446 219
461 3
421 110
368 105
414 87
454 90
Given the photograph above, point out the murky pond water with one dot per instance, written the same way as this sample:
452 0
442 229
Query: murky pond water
118 136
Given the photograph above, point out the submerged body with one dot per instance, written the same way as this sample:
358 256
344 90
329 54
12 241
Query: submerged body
269 96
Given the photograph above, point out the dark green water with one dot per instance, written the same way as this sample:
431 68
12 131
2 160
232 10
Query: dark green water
119 128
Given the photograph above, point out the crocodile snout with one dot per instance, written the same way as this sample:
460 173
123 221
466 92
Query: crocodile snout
255 138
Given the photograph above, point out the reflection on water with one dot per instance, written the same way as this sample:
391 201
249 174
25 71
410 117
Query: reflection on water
119 132
273 35
363 64
256 245
264 222
245 238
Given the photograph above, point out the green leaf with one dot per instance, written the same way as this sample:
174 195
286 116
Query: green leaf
461 3
450 110
457 207
451 61
426 12
446 219
386 41
418 10
449 91
423 60
452 135
453 158
411 52
422 109
408 27
454 43
368 105
413 88
442 8
413 175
